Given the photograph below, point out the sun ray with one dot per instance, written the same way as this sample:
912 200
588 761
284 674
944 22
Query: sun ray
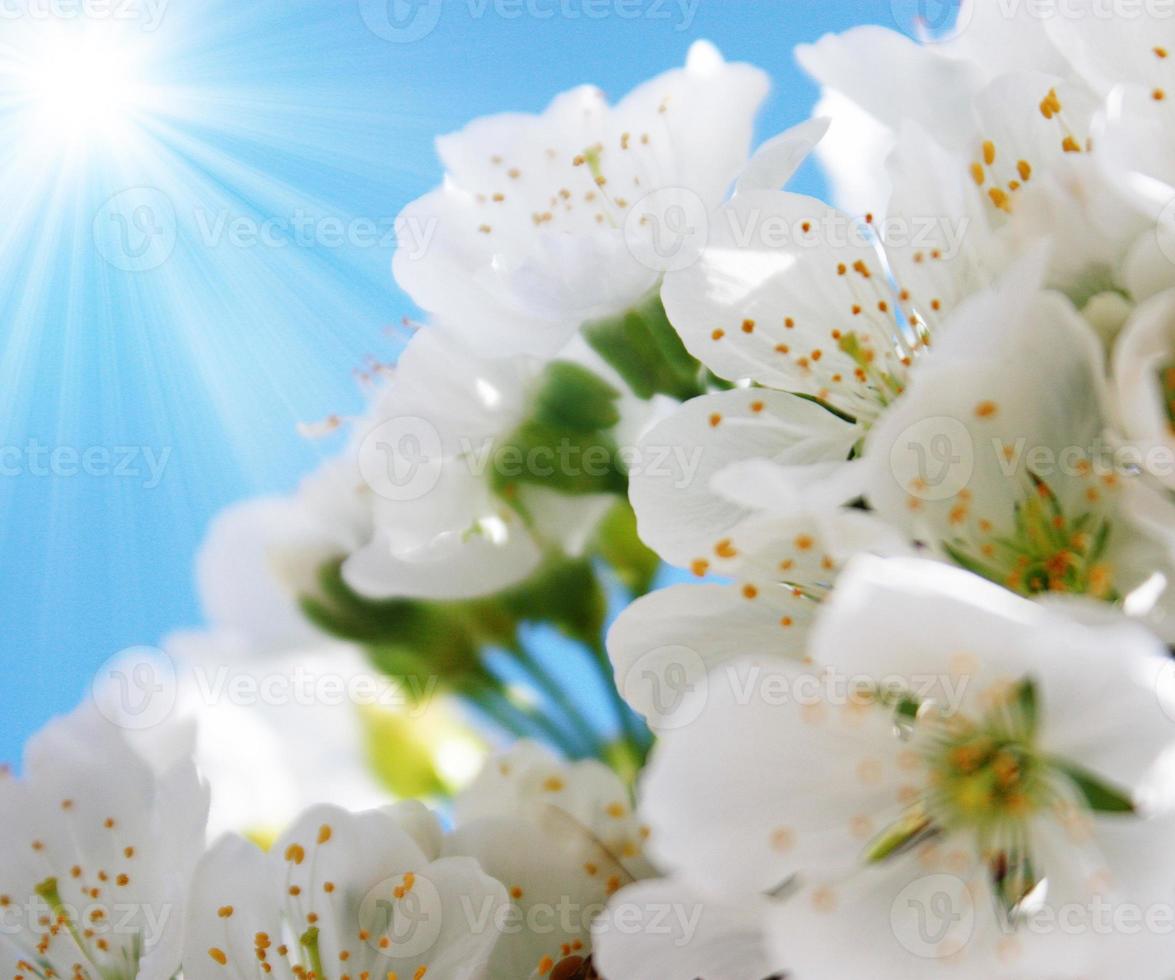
133 312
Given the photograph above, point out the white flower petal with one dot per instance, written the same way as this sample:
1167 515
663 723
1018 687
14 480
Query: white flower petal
1012 378
464 568
1145 350
853 155
664 644
114 841
534 237
956 639
678 513
322 898
1110 50
782 281
232 901
930 89
557 888
663 929
531 784
735 800
776 161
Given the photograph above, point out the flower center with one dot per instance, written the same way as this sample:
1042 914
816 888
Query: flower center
90 934
1047 551
987 778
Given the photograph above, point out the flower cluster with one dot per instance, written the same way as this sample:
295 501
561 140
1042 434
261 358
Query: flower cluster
918 449
926 704
105 873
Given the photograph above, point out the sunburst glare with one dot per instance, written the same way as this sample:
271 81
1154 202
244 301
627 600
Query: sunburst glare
174 284
75 86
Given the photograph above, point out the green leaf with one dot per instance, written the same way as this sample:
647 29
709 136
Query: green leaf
424 642
1026 703
647 352
567 461
573 398
565 444
1101 542
906 711
566 594
405 637
1100 797
1167 383
620 546
912 827
832 409
963 560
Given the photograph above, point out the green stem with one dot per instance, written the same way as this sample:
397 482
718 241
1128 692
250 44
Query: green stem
550 731
309 940
484 703
636 733
495 704
559 698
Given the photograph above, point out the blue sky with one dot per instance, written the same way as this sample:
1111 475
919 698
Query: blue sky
152 372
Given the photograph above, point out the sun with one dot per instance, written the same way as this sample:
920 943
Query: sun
77 88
